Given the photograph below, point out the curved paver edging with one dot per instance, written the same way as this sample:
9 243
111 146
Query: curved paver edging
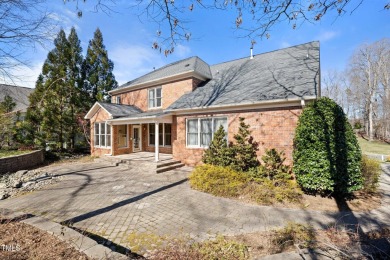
80 242
22 161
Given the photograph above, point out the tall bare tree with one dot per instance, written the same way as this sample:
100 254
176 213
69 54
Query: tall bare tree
367 72
334 85
23 24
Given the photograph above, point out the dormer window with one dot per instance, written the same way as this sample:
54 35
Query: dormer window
154 97
118 100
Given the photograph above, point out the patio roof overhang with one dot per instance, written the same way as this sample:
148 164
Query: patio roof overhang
159 118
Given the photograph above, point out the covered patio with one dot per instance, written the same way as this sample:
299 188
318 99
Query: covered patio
136 136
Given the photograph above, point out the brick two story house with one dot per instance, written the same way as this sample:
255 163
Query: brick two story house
177 108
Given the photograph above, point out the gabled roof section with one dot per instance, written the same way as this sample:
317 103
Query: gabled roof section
193 66
285 74
18 94
114 110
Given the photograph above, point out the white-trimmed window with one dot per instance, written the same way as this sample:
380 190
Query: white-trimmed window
155 97
102 136
164 134
118 99
200 131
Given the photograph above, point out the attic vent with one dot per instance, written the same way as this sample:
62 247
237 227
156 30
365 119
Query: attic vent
187 65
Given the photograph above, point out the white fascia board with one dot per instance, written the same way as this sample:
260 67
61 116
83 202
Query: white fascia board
277 103
94 109
159 81
140 120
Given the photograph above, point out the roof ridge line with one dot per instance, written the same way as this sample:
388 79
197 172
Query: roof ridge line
267 52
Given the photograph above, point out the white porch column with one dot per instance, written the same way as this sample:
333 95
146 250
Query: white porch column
156 141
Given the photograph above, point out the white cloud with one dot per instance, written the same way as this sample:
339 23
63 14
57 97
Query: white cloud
66 20
182 51
285 44
327 35
131 61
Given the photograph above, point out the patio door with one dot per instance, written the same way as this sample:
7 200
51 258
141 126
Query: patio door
136 138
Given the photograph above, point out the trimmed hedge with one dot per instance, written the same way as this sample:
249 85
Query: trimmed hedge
327 156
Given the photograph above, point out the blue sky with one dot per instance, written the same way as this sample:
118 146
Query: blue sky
215 39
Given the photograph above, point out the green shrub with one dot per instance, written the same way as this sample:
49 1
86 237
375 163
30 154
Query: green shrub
357 125
244 149
371 172
273 167
326 155
293 234
267 192
219 153
218 180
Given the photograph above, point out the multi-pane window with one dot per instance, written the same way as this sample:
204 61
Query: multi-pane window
164 134
102 135
118 100
200 131
154 97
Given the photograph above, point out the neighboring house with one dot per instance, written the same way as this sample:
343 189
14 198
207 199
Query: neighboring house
19 95
181 105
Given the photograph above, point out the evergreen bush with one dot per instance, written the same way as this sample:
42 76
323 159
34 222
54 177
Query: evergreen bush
244 149
327 156
219 153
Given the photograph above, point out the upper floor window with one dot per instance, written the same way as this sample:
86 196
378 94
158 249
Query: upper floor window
154 97
118 100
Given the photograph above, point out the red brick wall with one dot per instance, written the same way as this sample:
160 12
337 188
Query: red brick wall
121 150
272 128
170 93
138 98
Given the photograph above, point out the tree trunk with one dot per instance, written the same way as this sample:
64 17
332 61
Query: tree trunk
370 123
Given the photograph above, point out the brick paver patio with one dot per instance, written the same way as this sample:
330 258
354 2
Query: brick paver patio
115 202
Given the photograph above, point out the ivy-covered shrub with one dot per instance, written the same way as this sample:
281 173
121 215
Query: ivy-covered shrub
219 153
327 156
218 180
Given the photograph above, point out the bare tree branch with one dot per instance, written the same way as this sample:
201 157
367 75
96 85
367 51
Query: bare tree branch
255 18
23 24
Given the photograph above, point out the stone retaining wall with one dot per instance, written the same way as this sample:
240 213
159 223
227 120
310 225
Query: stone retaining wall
21 162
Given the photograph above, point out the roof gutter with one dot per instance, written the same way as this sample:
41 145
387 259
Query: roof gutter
288 102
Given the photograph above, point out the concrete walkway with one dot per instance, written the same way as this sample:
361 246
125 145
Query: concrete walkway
116 203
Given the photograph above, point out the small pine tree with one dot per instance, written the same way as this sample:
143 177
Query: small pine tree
244 149
218 153
8 104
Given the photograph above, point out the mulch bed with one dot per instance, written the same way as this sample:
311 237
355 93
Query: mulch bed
21 241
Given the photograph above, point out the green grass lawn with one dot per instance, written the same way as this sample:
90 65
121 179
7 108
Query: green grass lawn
374 146
8 153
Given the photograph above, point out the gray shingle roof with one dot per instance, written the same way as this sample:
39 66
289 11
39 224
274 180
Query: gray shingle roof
287 73
119 110
190 64
18 94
